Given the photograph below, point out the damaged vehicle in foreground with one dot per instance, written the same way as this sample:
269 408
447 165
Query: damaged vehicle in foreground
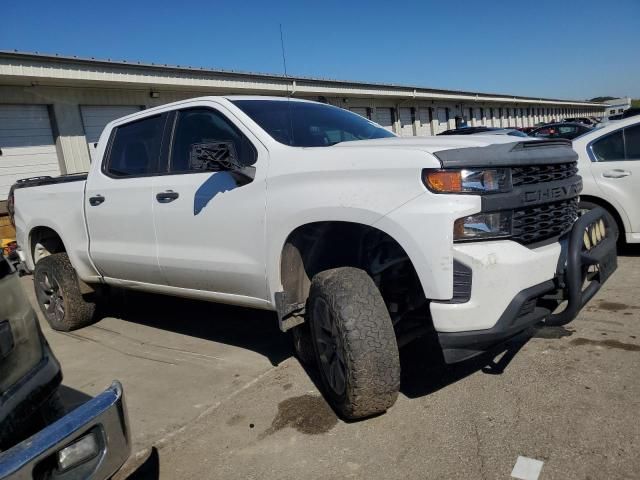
38 439
361 241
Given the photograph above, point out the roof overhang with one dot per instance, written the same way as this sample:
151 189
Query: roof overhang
17 68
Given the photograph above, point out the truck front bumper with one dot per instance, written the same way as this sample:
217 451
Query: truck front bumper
514 288
104 418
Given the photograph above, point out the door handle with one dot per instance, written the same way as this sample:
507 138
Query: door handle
616 173
167 197
96 200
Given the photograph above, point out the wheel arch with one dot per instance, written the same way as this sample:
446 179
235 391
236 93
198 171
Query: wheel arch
317 246
44 241
621 220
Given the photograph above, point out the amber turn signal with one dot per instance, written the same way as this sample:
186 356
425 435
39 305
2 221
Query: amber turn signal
443 181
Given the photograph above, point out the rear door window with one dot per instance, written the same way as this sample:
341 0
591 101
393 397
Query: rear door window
632 142
135 148
610 148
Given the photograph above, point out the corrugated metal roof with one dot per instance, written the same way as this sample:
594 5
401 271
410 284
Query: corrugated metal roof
19 55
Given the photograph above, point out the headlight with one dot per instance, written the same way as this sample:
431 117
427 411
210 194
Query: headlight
482 226
493 180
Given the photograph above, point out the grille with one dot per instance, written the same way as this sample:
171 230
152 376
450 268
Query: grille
535 224
542 173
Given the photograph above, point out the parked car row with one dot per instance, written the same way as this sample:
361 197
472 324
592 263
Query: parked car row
484 130
566 129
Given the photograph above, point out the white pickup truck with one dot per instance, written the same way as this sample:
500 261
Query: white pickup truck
360 241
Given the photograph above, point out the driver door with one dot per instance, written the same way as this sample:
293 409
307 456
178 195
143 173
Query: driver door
209 220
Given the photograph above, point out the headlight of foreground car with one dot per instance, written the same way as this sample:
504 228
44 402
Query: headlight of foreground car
78 452
478 181
483 226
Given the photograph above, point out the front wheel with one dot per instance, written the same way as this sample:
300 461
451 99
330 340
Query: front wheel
354 342
58 294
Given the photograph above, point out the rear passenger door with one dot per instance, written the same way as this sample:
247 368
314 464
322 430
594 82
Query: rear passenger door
616 168
210 220
118 202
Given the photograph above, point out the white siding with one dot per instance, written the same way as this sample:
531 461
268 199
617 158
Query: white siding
96 117
26 141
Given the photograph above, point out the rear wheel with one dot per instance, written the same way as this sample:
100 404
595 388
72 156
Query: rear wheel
354 342
58 294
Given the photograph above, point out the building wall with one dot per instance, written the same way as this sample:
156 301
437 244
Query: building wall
65 102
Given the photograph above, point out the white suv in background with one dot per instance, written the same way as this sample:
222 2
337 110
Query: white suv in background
609 163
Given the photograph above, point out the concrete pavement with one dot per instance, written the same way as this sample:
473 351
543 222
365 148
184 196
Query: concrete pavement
215 392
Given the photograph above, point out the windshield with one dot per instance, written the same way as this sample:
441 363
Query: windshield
306 124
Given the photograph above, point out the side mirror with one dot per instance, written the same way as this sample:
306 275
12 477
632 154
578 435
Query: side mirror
214 157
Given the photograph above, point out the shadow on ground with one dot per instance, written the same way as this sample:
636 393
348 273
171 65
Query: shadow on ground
149 469
629 250
252 329
424 370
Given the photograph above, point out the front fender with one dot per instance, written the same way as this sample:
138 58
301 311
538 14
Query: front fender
424 228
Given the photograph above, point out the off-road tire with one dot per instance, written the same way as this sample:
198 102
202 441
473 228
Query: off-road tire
78 311
365 339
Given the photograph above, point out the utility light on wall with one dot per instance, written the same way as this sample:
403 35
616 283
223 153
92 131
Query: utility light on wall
153 94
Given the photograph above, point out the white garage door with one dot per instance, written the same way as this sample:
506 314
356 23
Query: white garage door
442 120
362 111
384 118
477 116
96 117
425 122
406 122
27 145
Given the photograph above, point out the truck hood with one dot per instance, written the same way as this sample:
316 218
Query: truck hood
461 151
432 144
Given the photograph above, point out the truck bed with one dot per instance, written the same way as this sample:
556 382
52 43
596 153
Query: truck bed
39 181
